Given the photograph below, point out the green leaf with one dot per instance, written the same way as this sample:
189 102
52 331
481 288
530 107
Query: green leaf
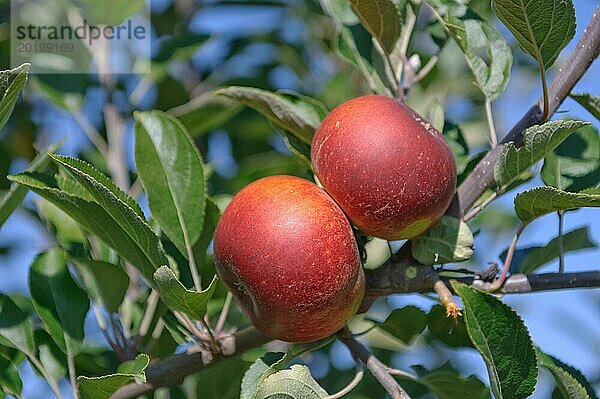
171 171
99 187
105 282
528 260
10 381
575 163
11 83
538 140
15 326
13 198
448 384
58 300
589 102
449 240
455 8
299 117
542 27
570 382
113 222
460 149
97 14
382 19
476 36
257 372
540 201
405 323
176 296
501 337
103 387
67 230
206 112
293 383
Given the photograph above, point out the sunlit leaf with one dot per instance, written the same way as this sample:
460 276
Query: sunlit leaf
501 337
540 201
542 27
538 140
171 171
103 387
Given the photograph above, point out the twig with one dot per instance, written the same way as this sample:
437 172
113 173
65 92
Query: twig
72 372
151 304
91 132
561 248
490 122
508 260
224 313
47 376
375 366
358 376
475 211
402 373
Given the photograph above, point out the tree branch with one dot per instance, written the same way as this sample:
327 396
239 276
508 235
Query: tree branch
174 369
573 69
375 366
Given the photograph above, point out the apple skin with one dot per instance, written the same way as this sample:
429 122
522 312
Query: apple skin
389 170
288 255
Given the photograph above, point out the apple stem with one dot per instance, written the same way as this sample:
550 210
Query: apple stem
509 256
358 376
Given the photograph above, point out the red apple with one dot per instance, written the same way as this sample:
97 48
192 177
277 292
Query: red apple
389 170
287 253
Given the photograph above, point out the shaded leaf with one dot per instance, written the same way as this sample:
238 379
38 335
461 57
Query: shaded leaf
450 385
589 102
297 117
529 259
575 163
13 198
176 296
540 201
11 83
476 36
15 326
405 323
10 381
206 112
570 382
382 19
171 171
105 282
451 332
449 240
542 27
460 149
538 140
103 387
293 383
501 337
113 222
58 300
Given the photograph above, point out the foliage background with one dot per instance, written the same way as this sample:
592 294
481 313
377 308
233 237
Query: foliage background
284 45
